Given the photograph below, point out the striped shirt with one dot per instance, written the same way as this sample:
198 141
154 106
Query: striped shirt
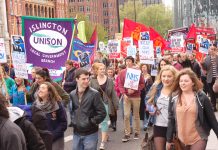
213 62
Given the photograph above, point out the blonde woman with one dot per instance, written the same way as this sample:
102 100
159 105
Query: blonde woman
157 104
106 88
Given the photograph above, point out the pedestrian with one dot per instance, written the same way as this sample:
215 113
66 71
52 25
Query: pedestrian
69 83
158 102
105 86
210 64
33 73
18 91
190 113
131 99
49 102
6 83
41 77
144 115
11 136
33 138
88 113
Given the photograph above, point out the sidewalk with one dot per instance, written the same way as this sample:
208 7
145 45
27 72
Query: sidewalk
212 143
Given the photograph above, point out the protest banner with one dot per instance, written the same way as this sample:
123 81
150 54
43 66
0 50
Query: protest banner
177 38
131 51
128 40
154 71
146 52
132 78
20 67
114 49
18 45
82 53
203 44
3 56
48 41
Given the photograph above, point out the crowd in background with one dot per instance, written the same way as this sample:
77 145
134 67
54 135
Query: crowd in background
179 100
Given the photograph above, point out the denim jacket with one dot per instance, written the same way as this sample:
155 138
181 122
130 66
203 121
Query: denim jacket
150 107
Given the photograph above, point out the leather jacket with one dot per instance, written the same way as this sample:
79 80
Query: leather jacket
88 113
206 119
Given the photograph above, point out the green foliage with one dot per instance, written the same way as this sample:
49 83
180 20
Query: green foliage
89 28
157 16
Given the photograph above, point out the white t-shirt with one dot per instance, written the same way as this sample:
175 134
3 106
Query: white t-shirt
162 105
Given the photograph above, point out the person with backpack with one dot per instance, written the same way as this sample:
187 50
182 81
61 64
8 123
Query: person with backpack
11 136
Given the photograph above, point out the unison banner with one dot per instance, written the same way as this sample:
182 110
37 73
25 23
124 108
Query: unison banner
47 42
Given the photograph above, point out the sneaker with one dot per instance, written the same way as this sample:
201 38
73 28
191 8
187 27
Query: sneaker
102 146
126 138
136 136
131 130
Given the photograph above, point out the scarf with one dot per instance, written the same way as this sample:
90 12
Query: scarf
47 106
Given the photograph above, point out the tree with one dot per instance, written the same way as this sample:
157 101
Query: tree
156 16
89 28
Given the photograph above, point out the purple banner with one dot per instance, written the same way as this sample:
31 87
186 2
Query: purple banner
47 42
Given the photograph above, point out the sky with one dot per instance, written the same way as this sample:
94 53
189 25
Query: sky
168 3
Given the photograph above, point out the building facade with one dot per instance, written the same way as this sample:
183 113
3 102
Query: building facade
203 13
145 2
103 12
39 8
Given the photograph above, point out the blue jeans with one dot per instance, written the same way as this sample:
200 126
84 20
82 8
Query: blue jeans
88 142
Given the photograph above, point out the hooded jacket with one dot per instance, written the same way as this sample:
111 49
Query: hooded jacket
17 116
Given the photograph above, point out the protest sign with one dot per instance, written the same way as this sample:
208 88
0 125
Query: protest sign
3 56
146 52
18 45
131 51
82 53
132 78
203 43
20 67
128 40
145 35
114 49
47 42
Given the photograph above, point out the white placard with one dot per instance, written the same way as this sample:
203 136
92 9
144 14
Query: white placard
204 44
131 51
20 67
128 40
132 78
3 56
145 35
146 51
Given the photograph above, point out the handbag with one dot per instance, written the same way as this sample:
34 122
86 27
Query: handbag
177 144
148 141
215 86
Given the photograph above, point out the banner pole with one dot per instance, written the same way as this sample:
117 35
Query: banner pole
71 42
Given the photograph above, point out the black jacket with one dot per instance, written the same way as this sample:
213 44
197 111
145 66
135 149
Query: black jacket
70 81
39 119
206 119
87 114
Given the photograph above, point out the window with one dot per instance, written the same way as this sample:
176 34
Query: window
87 8
105 21
105 13
81 8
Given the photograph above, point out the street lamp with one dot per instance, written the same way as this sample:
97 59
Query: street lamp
135 10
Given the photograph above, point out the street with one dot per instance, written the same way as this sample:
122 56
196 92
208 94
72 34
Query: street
115 142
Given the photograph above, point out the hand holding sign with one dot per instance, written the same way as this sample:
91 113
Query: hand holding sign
132 79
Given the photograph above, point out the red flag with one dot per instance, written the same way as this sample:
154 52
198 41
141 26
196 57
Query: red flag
133 29
192 32
94 40
158 40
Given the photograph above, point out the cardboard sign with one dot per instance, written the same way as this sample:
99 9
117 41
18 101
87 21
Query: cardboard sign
145 35
204 44
114 49
132 78
146 52
20 67
3 56
131 51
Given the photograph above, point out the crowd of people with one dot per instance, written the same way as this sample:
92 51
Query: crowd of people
178 102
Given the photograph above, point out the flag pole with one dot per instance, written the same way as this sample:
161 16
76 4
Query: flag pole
71 42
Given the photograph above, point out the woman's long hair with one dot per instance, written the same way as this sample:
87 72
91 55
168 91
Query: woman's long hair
3 109
53 95
153 90
197 83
